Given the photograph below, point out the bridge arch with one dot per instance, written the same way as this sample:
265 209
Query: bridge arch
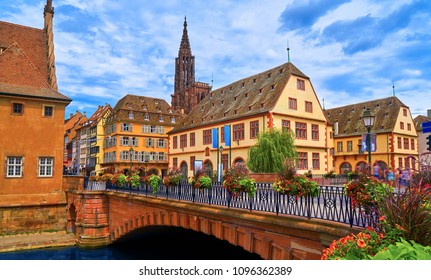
102 217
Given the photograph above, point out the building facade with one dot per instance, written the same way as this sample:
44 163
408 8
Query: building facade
282 98
187 92
71 125
424 153
136 135
31 130
394 130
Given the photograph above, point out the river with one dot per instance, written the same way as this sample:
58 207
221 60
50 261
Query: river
151 243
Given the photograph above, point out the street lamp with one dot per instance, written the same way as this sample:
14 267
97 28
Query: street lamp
131 156
220 167
368 118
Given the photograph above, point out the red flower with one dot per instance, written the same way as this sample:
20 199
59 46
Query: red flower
361 243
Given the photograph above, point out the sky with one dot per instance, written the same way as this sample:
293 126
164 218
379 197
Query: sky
353 51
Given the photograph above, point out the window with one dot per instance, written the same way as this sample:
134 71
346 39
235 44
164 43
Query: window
315 132
339 147
172 120
349 146
292 103
316 161
48 111
407 163
207 137
14 167
192 139
124 155
175 142
238 132
124 141
183 141
126 127
406 143
222 135
399 143
192 163
402 125
175 162
161 119
405 112
409 127
161 143
149 142
285 125
17 108
301 130
254 129
412 144
134 141
45 166
302 161
146 117
400 162
300 84
131 115
308 107
224 161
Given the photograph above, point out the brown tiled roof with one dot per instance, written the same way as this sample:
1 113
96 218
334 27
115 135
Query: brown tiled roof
19 76
419 120
31 40
350 121
253 95
141 106
100 112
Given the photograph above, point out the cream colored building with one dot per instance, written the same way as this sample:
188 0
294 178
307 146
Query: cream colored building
282 97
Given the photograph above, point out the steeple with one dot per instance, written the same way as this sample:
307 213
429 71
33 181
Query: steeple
185 43
48 14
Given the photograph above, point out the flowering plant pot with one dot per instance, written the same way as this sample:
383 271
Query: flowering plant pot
298 185
201 182
237 181
172 178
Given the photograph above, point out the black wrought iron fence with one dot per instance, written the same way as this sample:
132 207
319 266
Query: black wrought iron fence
331 203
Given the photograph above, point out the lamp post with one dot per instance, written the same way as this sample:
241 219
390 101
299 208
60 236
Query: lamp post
220 167
131 156
368 118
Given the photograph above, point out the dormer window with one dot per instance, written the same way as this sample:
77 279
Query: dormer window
161 119
272 87
254 81
269 76
172 120
243 84
131 115
144 107
280 71
146 117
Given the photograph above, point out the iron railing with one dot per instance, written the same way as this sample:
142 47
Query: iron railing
331 203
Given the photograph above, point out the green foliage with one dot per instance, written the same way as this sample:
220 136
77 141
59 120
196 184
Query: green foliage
153 181
366 191
299 185
270 151
135 180
404 250
409 211
237 180
172 178
121 180
205 182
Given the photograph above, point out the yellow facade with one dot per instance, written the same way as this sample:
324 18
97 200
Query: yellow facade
396 142
31 136
296 105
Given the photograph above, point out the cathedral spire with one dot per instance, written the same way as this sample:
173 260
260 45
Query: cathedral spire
185 43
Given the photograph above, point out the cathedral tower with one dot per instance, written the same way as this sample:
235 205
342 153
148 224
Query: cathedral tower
187 92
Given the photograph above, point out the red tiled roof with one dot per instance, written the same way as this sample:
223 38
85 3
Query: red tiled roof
19 76
253 95
31 40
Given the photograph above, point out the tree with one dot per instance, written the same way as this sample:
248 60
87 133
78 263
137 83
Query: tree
270 151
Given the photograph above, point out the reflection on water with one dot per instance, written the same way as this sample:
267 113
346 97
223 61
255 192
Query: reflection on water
151 243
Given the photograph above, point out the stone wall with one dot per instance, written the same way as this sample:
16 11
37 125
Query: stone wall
30 219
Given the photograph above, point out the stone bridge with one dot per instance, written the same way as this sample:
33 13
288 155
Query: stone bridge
98 218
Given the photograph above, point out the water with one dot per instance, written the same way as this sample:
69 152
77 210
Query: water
151 243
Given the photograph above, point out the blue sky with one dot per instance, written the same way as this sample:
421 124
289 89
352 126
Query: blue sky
353 51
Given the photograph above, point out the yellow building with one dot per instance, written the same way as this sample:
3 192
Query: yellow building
136 135
282 97
396 137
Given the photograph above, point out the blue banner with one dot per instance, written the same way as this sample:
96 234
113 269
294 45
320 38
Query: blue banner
215 137
227 135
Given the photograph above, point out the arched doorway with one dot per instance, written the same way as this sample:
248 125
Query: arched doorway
345 167
184 169
238 160
72 219
208 168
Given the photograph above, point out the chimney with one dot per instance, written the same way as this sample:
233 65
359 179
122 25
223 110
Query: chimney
71 115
